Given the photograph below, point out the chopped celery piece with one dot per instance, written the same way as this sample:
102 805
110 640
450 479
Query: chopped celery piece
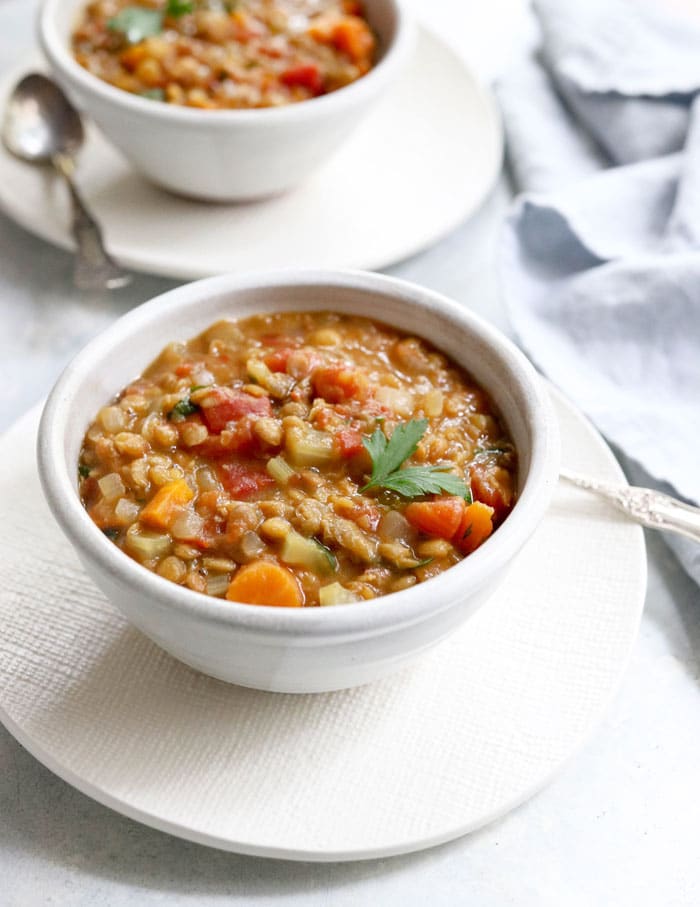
146 545
280 470
308 447
309 553
335 594
277 384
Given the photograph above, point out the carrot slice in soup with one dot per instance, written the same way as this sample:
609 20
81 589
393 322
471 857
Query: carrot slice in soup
440 518
475 528
163 507
265 583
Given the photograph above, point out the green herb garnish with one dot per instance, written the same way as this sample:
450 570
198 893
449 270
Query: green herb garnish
137 23
112 534
83 471
328 554
388 454
182 409
423 563
177 8
153 94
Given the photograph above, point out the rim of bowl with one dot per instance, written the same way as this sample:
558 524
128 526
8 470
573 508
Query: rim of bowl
305 625
60 57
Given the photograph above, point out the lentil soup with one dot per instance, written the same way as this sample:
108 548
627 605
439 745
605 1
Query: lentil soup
299 459
225 55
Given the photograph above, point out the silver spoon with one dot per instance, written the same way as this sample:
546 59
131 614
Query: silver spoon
42 126
644 505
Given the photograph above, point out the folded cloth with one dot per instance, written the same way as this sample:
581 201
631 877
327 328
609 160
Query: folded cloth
600 260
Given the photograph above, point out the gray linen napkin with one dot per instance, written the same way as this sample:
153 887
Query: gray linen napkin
600 260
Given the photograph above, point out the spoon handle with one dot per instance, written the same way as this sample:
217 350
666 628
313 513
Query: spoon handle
644 505
94 268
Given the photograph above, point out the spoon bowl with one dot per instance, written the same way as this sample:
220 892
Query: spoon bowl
40 122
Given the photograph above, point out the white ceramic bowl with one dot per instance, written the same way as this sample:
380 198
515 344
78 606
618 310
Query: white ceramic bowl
224 155
283 649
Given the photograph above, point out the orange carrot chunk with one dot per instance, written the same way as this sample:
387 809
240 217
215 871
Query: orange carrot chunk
162 509
475 528
441 518
265 583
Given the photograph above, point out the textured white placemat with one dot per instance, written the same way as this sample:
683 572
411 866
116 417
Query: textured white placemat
470 731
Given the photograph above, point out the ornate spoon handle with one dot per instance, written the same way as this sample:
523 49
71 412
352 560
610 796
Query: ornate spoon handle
95 269
644 505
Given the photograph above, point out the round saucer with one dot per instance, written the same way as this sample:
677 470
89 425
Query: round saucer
475 727
421 162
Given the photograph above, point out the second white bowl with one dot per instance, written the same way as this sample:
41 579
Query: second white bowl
224 155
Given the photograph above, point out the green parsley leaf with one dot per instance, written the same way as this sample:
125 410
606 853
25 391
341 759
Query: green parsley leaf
137 23
417 480
177 8
112 534
182 409
387 455
153 94
83 471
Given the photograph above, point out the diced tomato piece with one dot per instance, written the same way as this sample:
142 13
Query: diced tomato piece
353 36
306 76
493 486
476 526
238 439
337 383
243 480
441 517
223 405
349 442
183 369
277 361
302 362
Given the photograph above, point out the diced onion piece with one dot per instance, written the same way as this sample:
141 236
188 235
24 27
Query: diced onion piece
111 486
432 403
206 479
218 584
308 447
335 594
202 377
398 401
146 545
250 545
394 527
280 470
126 511
187 525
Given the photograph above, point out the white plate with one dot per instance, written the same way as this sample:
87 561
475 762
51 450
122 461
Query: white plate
421 163
473 729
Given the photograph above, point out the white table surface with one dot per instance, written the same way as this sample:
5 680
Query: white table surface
619 826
